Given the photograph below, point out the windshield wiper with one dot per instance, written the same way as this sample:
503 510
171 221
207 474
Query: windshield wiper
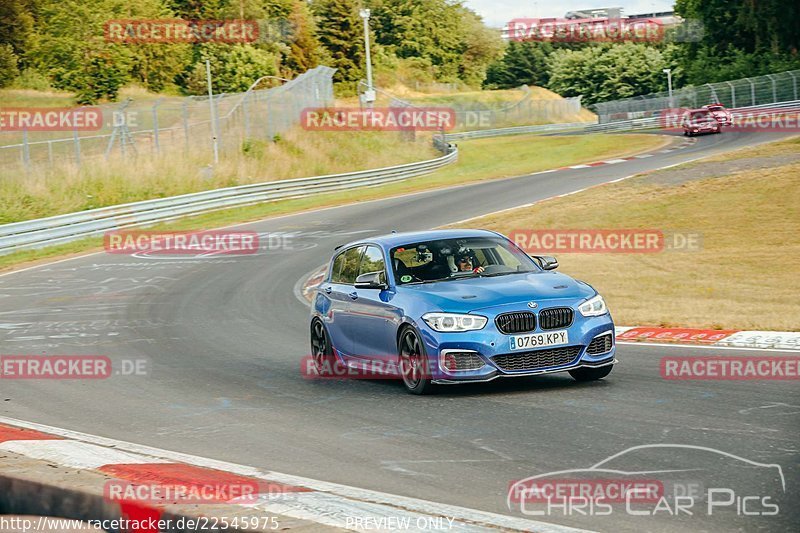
505 273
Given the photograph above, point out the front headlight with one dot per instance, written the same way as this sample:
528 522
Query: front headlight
593 307
449 322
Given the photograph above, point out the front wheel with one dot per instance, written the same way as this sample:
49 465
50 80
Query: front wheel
590 374
414 367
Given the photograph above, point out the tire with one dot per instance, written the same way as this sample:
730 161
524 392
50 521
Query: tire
321 349
414 369
590 374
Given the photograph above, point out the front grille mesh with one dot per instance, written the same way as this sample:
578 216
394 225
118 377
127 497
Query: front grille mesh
555 317
519 322
601 344
462 361
537 359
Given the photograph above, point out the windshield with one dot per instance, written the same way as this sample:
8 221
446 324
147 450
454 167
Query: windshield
453 259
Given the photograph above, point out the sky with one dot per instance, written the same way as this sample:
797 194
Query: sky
496 13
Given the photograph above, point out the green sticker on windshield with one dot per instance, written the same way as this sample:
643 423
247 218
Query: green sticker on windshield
405 279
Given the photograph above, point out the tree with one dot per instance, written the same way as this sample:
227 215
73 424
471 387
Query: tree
524 63
8 65
304 47
16 25
740 39
340 33
607 72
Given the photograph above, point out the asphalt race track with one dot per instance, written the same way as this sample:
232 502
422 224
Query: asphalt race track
224 337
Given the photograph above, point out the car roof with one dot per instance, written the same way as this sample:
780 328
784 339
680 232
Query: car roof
390 240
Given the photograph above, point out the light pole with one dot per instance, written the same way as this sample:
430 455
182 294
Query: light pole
668 72
214 132
369 94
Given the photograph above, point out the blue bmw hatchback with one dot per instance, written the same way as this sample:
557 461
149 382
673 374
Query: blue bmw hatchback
457 306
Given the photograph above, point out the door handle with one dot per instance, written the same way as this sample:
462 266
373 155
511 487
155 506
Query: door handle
353 295
328 290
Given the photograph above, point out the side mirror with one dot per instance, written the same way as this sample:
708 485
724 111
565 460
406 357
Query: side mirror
371 280
547 262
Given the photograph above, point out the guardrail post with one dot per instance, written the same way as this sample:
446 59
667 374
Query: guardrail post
794 83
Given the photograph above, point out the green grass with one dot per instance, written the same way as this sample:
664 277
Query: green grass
480 159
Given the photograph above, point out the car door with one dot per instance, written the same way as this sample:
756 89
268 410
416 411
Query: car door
340 290
373 317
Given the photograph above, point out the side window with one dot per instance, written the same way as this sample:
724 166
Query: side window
349 266
372 261
336 269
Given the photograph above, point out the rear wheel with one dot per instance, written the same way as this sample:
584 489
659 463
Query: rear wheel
590 374
321 349
414 363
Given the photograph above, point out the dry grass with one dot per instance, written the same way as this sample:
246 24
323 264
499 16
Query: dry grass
746 274
297 154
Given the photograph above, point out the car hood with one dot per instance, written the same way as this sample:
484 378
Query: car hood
473 294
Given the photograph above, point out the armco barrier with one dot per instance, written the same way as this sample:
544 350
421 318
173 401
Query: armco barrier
585 127
65 228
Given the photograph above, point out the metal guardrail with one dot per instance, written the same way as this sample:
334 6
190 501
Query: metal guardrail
70 227
516 130
608 127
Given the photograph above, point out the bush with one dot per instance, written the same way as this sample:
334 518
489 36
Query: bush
233 68
31 78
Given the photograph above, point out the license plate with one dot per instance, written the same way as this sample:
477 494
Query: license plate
537 340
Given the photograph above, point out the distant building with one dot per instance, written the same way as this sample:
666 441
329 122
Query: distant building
598 13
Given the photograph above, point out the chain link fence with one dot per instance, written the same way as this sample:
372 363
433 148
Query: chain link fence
747 92
168 125
476 115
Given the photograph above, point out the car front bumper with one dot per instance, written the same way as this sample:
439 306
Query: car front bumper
489 343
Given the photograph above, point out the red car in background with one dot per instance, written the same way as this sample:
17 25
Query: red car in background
696 121
722 115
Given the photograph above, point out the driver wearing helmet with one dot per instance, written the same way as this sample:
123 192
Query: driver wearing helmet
465 264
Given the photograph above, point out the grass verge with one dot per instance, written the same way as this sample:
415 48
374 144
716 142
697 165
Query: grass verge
480 159
745 274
